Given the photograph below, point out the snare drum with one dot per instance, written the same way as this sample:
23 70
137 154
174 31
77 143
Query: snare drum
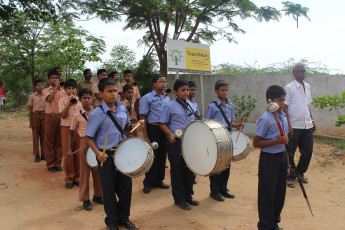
133 157
91 158
206 147
242 147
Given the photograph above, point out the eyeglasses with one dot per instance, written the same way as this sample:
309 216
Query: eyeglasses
161 82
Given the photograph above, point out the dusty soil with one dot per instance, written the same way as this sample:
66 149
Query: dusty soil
33 198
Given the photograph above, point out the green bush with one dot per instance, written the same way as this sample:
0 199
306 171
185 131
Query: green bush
243 106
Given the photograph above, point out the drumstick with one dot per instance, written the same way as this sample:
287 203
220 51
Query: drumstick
105 146
135 127
240 129
76 151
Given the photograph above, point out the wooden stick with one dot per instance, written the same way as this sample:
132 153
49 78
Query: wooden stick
135 127
240 129
105 146
76 151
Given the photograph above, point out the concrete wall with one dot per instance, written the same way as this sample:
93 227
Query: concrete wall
256 86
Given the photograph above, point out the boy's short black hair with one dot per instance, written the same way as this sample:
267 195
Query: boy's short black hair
56 68
100 71
275 91
51 73
84 91
70 83
127 71
85 71
126 88
191 84
179 83
112 74
37 81
156 77
219 84
104 82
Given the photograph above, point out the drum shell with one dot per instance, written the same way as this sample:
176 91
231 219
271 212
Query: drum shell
146 165
245 152
224 147
88 153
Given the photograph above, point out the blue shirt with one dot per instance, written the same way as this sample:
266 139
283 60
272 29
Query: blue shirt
175 116
152 106
99 125
194 106
214 113
267 128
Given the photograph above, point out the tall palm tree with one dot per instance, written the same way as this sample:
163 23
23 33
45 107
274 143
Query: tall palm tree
296 10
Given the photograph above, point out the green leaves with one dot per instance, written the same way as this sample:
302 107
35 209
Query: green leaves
244 106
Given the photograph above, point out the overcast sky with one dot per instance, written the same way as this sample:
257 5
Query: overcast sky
319 40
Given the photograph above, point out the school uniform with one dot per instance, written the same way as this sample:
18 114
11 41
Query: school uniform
219 182
84 84
194 105
79 125
113 181
95 90
69 144
272 172
136 93
182 178
152 106
52 129
131 113
37 102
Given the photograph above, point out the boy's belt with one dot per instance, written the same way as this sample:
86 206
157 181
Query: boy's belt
154 123
54 114
38 112
109 151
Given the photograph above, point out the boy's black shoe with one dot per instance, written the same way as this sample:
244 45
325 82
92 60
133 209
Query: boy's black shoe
228 194
87 205
112 228
161 185
76 183
97 199
69 185
147 189
52 169
193 202
59 169
43 158
217 196
128 224
184 205
37 158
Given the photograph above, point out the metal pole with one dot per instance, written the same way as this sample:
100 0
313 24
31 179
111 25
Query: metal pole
202 95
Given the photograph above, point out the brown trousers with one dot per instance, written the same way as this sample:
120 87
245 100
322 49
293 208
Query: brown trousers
52 140
71 163
38 133
85 169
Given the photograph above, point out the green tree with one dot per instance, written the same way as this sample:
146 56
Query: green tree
296 10
192 21
122 58
147 68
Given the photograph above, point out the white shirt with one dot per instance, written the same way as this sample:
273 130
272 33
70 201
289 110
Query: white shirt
298 102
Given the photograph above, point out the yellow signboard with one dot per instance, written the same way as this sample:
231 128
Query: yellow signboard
197 59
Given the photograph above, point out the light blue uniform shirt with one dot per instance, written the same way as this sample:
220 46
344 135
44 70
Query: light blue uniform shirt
175 116
194 106
152 106
214 113
99 125
267 128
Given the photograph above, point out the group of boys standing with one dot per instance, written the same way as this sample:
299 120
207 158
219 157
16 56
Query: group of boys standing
160 118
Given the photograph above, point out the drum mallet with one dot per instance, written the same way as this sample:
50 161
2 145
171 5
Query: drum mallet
273 108
105 146
240 129
75 151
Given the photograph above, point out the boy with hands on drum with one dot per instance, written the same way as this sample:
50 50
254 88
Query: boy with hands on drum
108 122
223 111
273 163
175 117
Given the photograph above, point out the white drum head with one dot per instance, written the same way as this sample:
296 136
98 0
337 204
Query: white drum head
131 155
91 158
240 145
200 148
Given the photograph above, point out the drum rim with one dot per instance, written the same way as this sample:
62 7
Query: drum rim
203 121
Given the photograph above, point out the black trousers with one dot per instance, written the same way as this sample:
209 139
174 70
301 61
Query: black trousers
219 182
115 183
271 188
156 173
303 138
182 177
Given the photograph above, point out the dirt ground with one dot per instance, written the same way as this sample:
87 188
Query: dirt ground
33 198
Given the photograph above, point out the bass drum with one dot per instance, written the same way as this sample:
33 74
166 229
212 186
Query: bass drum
206 147
133 157
242 146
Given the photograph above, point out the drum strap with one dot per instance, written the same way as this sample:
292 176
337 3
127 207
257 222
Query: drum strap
81 113
185 106
113 120
223 114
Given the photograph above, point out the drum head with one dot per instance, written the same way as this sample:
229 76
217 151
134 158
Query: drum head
240 145
91 158
199 148
131 155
